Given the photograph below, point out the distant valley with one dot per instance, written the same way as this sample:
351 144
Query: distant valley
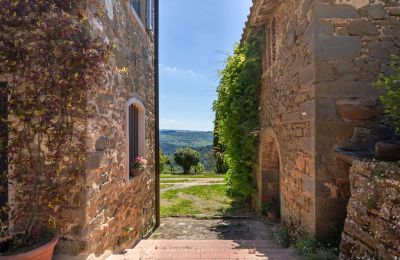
171 140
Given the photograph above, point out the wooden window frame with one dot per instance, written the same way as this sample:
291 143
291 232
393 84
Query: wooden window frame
135 132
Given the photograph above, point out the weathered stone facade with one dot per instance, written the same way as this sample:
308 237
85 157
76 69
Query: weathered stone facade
317 99
372 227
117 211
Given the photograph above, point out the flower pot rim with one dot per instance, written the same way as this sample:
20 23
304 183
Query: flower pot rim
34 252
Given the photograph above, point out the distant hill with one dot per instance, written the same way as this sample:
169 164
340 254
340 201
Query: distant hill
171 140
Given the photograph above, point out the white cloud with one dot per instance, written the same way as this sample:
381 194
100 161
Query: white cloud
180 72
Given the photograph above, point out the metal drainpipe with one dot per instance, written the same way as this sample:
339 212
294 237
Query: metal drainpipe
156 113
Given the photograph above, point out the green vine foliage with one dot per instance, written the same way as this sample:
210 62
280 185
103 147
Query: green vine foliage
52 64
237 108
390 84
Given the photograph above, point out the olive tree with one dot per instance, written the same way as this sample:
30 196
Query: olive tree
186 158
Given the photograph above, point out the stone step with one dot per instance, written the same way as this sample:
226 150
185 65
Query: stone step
205 249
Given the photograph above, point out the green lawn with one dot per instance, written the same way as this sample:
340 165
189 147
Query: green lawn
180 175
173 181
206 200
164 186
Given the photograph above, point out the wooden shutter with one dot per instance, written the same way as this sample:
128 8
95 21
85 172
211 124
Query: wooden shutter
133 135
3 148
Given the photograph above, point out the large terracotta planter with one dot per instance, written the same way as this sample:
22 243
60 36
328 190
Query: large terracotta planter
44 252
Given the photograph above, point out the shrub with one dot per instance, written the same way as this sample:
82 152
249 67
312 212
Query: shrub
306 246
186 158
390 99
282 236
236 112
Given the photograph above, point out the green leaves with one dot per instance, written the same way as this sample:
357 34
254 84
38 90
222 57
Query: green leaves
390 85
237 114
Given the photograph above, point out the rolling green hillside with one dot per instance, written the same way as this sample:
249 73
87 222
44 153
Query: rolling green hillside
171 140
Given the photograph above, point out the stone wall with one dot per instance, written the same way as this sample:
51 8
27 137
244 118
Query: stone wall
317 99
353 44
118 210
284 100
372 227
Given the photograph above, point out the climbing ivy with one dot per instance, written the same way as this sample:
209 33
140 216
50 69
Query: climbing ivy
390 98
237 109
54 65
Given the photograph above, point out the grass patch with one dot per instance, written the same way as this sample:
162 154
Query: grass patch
174 181
181 175
209 200
179 207
164 186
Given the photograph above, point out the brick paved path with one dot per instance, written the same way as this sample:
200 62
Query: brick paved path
205 249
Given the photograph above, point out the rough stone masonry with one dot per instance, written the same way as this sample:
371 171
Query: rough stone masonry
117 211
318 103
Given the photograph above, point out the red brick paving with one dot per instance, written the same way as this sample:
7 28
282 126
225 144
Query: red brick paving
205 250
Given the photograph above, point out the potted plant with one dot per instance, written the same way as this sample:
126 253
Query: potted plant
54 64
138 166
270 207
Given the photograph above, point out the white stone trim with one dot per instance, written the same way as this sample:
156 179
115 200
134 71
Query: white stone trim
142 129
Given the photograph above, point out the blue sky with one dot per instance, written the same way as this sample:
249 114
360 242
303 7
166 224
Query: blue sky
195 38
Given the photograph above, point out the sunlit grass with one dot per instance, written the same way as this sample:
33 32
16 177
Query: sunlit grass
207 200
173 181
181 175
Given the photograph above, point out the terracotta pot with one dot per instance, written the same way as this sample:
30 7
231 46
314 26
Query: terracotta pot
44 252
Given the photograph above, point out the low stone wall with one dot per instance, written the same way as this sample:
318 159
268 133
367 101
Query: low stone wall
372 227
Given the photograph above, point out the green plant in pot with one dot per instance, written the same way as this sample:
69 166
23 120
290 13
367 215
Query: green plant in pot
52 63
270 207
138 166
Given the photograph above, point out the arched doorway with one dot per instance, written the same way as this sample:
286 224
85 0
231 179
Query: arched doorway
269 186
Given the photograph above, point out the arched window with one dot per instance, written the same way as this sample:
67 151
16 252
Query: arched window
136 132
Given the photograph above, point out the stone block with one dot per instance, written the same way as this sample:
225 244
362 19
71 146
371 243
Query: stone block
316 72
337 47
321 11
362 27
394 11
326 109
356 109
376 12
323 27
387 151
101 143
94 160
342 89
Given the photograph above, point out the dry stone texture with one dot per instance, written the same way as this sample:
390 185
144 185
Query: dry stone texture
372 227
117 211
317 100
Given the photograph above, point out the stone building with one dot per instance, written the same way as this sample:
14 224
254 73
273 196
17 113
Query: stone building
118 207
318 106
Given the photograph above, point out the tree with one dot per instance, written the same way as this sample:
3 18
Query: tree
186 158
164 160
199 168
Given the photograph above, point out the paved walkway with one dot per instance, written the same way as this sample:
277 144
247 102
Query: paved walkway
205 249
251 228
